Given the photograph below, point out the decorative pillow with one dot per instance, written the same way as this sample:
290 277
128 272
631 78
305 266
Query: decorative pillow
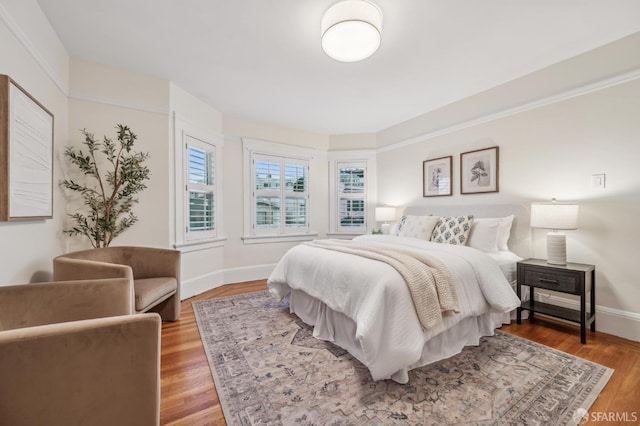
504 231
452 230
484 234
399 225
417 226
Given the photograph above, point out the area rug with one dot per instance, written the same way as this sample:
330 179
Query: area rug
269 370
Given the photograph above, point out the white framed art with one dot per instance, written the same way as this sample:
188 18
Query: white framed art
26 155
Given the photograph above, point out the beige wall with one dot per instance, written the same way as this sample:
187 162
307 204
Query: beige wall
353 142
27 248
101 98
237 253
552 151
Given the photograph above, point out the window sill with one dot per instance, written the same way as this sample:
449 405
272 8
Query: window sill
280 238
190 246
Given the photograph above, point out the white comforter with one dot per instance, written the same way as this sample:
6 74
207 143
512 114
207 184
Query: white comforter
376 298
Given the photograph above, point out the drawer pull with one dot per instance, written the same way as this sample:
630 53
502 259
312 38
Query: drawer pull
547 281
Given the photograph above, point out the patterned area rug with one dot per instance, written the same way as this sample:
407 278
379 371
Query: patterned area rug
268 369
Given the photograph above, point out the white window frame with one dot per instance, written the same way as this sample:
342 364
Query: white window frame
340 159
191 142
253 150
185 135
351 196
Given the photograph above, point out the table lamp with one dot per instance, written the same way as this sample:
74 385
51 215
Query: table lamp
555 216
385 214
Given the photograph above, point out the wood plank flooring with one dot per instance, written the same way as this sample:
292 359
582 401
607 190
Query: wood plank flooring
188 395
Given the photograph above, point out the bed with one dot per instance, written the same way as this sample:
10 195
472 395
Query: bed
365 305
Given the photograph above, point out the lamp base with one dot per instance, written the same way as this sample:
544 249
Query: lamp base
556 248
384 228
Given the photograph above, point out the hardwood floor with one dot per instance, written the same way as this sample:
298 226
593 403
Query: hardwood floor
188 395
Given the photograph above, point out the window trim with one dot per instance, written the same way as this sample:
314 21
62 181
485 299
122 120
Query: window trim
186 134
191 141
350 197
253 148
359 157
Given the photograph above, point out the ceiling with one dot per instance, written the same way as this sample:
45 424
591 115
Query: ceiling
262 59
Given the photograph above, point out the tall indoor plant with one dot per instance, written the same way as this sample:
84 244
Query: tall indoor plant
108 195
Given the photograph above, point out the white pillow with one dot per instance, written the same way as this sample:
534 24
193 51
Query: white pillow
484 234
417 226
504 231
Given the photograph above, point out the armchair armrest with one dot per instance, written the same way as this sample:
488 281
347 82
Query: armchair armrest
29 305
96 372
68 268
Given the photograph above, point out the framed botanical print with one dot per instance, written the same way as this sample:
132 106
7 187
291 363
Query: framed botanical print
436 177
479 171
26 155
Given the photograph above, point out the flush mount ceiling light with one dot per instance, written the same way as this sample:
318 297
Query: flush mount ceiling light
351 30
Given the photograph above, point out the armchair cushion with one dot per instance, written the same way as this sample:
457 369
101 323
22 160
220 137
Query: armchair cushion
150 291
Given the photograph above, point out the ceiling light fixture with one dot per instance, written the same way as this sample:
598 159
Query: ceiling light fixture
351 30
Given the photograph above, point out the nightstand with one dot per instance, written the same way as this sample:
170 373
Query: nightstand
572 278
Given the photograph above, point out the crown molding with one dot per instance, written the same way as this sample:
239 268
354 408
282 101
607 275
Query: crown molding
20 35
118 103
569 94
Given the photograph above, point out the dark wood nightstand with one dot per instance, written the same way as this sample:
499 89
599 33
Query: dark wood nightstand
572 278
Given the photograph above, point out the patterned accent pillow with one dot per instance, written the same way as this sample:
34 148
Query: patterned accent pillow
417 226
452 230
400 224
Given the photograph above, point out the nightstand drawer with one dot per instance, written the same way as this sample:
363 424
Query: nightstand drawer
558 281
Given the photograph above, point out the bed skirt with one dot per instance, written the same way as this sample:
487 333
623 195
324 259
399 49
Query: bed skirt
339 329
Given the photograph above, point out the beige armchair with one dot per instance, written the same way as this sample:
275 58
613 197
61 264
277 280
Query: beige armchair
155 274
71 354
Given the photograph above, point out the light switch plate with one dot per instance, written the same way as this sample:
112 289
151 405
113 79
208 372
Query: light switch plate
598 181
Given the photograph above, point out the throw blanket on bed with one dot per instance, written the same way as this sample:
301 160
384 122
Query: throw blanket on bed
432 289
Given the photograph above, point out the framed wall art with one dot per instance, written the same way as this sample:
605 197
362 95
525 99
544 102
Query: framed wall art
436 177
479 171
26 155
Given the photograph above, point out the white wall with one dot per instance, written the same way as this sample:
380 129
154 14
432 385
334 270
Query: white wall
552 151
34 57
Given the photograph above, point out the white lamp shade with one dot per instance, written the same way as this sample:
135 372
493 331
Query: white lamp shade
385 214
554 215
351 30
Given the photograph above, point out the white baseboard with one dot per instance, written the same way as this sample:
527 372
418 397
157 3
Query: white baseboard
608 320
194 286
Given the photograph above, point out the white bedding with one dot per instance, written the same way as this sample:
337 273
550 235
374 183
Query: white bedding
374 296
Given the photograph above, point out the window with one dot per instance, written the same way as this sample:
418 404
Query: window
351 196
351 191
277 188
198 197
280 195
200 188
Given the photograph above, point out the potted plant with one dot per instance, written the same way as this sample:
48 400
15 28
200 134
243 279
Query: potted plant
114 175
